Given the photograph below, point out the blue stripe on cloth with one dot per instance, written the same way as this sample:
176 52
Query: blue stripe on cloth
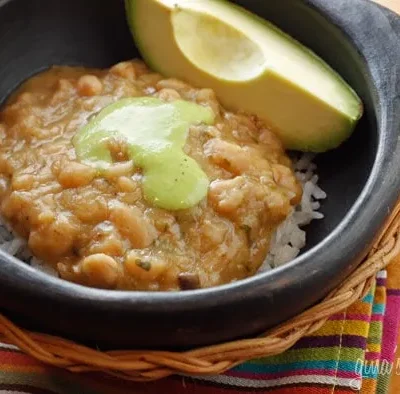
368 298
349 366
378 309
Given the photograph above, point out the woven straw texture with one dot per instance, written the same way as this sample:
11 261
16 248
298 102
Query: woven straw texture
152 365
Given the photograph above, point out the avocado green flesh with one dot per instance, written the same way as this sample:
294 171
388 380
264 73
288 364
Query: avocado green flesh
156 133
252 66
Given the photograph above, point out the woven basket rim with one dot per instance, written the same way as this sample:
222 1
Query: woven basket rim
148 365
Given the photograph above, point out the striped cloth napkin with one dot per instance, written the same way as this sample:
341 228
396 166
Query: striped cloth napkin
352 353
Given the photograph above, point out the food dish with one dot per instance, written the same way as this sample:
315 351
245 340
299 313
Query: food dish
124 179
335 244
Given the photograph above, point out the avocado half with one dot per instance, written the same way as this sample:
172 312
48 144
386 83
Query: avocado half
251 65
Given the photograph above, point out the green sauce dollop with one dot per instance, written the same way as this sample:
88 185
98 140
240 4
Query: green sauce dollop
156 133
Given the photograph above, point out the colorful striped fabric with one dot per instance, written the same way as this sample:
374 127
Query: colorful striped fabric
370 368
391 324
352 353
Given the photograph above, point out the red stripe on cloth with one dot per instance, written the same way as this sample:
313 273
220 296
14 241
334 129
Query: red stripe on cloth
372 356
209 388
377 317
16 358
302 372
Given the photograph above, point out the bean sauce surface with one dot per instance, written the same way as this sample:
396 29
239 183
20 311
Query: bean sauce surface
97 229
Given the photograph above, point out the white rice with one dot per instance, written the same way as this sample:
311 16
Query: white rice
286 243
290 238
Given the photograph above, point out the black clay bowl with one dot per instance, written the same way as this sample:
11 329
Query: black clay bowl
357 38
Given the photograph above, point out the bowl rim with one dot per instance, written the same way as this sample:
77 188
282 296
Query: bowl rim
31 281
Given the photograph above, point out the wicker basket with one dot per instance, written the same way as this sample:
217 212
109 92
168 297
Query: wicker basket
151 365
